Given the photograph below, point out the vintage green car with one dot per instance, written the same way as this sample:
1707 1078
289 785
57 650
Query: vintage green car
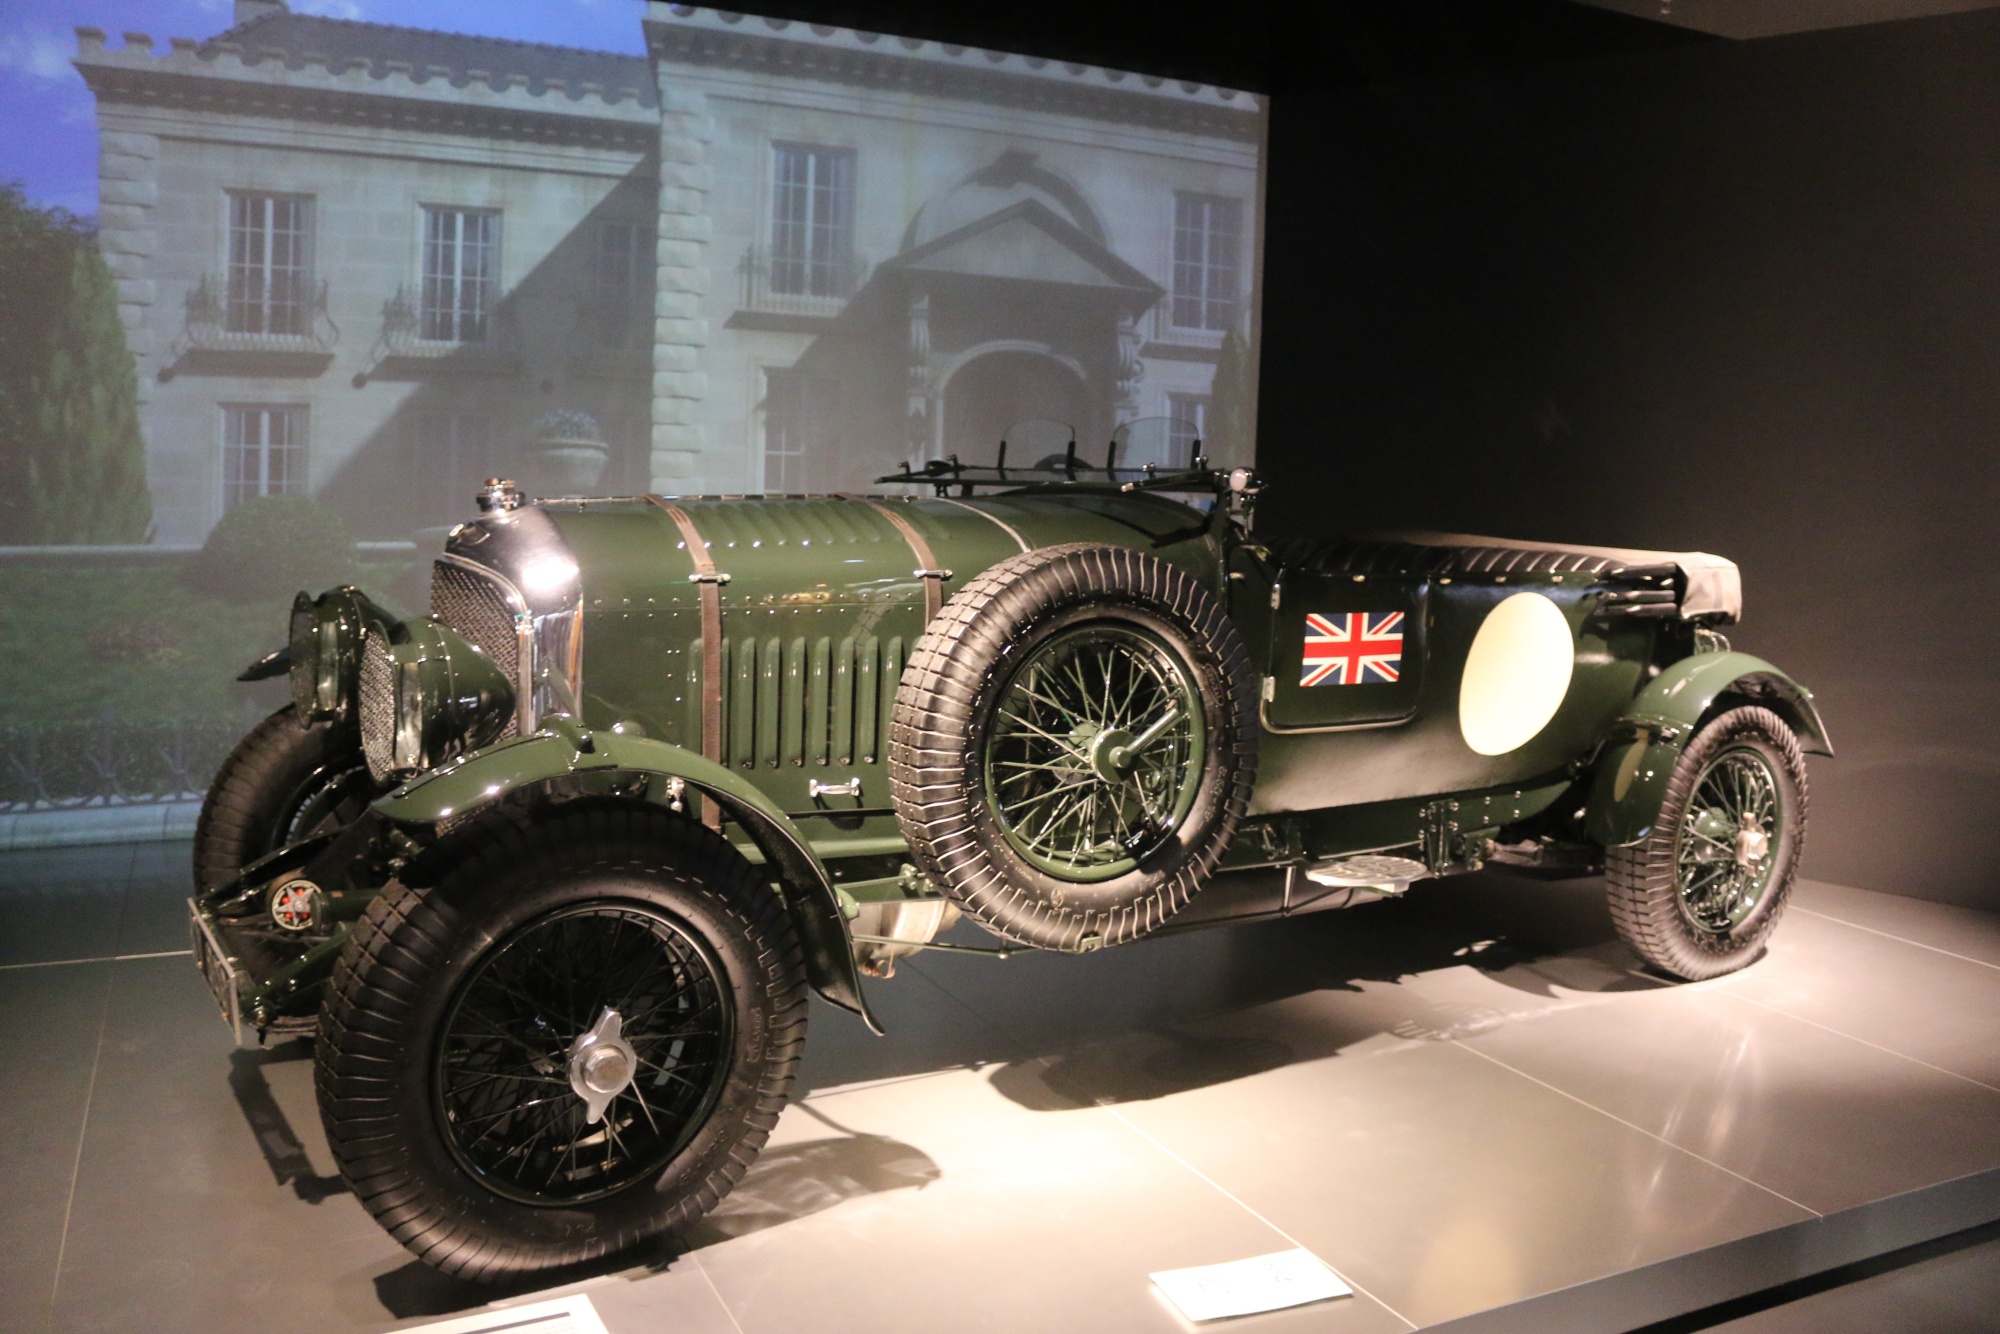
548 872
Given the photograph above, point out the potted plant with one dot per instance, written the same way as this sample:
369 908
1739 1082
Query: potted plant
567 455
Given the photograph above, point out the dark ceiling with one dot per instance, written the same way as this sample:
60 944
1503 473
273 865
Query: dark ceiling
1772 18
1263 45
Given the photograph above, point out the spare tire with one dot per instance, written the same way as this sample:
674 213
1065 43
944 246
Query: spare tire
1074 744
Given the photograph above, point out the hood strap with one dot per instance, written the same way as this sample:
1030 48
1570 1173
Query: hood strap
710 581
927 567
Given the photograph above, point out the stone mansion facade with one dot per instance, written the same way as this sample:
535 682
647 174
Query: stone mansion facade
360 261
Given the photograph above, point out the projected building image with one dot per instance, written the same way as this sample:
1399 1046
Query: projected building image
375 264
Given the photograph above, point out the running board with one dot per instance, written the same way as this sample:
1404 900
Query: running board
1389 876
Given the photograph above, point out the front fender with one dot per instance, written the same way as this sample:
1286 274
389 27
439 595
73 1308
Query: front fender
323 650
468 784
1630 781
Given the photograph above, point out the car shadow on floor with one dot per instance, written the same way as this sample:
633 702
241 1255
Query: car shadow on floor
786 1183
415 1289
284 1152
1270 994
794 1180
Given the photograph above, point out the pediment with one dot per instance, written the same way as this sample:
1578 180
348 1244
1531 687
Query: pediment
1028 242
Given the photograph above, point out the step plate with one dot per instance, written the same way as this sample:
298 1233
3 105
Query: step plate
1372 871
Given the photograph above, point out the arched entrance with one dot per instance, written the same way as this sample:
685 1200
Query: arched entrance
993 391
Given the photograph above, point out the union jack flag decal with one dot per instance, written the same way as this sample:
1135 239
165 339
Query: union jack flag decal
1354 648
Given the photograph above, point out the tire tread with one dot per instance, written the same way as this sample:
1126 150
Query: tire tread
1642 879
262 769
377 987
949 668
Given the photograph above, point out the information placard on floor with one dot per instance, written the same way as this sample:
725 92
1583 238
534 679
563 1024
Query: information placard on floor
565 1315
1245 1287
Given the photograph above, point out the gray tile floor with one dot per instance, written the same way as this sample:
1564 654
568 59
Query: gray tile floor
1458 1101
1957 1292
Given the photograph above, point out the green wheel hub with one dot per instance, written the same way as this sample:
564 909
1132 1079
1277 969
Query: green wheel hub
1095 751
1729 838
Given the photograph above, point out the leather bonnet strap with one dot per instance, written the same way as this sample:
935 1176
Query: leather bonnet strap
927 567
710 582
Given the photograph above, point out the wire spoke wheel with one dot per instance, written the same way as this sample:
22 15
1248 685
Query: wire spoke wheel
1699 894
507 1098
1727 836
283 782
1095 751
334 795
575 1031
1073 745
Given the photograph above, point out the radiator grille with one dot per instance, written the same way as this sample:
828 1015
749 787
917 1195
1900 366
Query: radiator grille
477 609
378 707
801 701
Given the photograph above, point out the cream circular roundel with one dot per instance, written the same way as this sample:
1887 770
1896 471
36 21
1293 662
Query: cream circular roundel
1516 674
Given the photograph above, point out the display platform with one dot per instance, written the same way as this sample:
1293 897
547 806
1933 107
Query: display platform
1470 1103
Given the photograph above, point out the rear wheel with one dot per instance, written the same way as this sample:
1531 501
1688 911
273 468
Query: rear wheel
580 1036
284 781
1700 895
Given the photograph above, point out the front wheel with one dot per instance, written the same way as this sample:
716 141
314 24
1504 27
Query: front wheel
580 1036
1700 894
284 781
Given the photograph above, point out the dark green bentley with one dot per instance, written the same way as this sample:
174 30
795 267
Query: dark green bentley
549 871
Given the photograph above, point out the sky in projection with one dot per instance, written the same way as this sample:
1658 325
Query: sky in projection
48 137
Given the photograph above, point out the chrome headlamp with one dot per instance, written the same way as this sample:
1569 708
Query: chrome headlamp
325 637
427 698
407 752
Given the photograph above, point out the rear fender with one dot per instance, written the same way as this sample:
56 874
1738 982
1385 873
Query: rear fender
465 785
1630 781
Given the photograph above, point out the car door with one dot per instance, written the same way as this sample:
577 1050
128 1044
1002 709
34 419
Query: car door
1347 650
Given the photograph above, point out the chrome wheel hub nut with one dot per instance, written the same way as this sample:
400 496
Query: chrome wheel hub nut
602 1064
1752 845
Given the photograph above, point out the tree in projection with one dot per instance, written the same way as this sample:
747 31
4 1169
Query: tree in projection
1232 414
72 462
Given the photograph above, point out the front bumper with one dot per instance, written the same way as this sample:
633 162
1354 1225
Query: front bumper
218 968
263 984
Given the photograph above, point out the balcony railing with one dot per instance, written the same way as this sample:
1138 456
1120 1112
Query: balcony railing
793 286
401 339
403 327
298 323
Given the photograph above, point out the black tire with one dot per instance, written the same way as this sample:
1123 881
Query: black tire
1136 859
1692 898
283 782
434 994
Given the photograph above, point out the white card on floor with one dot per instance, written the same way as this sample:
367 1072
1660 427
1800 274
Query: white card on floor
567 1315
1245 1287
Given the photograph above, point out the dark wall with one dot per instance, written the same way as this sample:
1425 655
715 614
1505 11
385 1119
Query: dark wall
1537 270
1263 45
1737 297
